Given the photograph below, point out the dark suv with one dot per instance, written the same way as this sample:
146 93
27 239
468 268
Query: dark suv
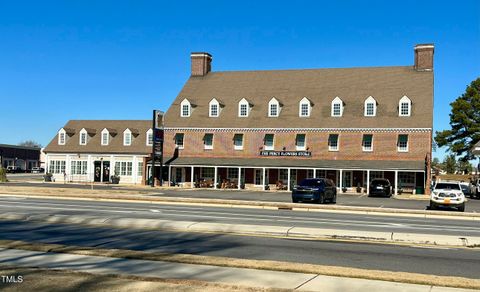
318 190
380 187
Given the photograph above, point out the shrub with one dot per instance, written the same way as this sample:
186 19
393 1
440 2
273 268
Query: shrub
3 175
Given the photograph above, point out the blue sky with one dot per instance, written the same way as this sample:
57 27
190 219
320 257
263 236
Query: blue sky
62 60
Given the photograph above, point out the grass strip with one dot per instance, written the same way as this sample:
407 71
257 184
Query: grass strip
401 277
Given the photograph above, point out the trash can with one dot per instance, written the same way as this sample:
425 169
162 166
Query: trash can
419 191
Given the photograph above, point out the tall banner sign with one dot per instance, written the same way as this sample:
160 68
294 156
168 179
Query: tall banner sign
157 145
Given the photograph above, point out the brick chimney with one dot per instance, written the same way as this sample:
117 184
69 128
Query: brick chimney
201 63
424 57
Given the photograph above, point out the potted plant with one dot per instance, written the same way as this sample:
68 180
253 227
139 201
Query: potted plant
3 174
48 177
359 188
344 189
115 179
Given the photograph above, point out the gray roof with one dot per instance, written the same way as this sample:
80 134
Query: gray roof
94 128
353 85
307 163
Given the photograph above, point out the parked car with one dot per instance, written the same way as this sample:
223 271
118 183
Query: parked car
318 190
13 169
476 188
380 187
38 170
467 189
447 195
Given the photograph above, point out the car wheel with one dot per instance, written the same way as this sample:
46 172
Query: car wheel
432 206
321 199
461 208
334 199
294 200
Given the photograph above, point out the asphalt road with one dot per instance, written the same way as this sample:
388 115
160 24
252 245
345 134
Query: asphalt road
327 220
433 261
473 205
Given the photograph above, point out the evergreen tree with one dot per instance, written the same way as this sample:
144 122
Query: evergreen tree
464 122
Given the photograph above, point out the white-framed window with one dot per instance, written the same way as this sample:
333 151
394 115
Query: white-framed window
185 108
105 137
268 141
56 166
273 107
62 137
300 142
333 142
375 174
83 137
337 107
232 173
406 179
149 141
140 169
310 173
370 107
405 107
321 173
243 108
304 108
78 167
402 143
238 141
179 140
214 108
283 175
127 137
208 141
207 172
123 168
367 142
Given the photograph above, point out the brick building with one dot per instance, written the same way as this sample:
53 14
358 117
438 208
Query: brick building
21 156
259 129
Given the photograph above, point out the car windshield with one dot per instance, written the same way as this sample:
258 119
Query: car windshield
447 186
311 183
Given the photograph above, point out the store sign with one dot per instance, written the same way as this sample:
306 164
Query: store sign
286 153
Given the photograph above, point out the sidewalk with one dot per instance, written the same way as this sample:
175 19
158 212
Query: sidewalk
237 276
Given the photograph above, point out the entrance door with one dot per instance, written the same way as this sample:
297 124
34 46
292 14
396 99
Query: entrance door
347 179
106 171
97 175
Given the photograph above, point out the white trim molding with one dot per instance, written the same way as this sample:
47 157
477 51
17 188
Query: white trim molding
194 129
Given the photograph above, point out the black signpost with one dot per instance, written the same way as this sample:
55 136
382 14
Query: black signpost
157 145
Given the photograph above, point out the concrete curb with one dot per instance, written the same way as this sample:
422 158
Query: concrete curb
255 230
263 205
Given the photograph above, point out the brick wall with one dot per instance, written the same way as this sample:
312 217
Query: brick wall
350 145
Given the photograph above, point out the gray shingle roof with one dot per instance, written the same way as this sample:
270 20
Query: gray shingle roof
353 85
116 127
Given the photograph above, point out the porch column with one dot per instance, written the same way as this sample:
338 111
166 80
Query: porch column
341 179
368 182
263 178
239 177
288 179
89 168
191 176
314 173
68 168
134 169
169 175
396 182
215 179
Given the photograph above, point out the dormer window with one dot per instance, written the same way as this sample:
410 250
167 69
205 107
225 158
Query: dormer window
304 108
370 107
149 135
405 107
105 137
273 108
185 108
62 137
243 108
83 137
337 107
214 108
127 137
